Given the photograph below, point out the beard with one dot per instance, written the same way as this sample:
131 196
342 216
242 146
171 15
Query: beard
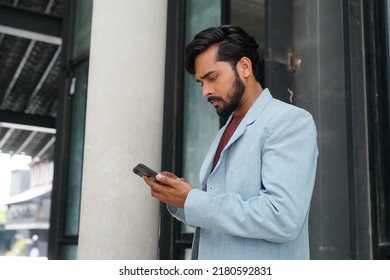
235 96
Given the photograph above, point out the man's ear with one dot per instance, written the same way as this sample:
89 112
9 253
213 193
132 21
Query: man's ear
244 67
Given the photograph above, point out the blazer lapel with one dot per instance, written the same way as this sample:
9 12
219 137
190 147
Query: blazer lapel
208 161
250 117
253 113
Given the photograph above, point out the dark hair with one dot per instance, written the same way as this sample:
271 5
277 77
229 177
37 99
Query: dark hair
234 43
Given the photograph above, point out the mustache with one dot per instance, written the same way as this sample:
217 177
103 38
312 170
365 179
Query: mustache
213 98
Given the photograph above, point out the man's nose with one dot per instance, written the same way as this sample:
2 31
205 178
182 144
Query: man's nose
207 90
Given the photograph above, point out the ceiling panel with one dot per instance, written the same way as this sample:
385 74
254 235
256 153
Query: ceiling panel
29 73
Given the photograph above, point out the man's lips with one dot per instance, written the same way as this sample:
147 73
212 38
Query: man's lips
214 99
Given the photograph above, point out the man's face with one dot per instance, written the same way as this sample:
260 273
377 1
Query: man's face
221 84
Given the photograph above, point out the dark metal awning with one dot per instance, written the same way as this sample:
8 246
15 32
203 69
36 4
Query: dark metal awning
30 51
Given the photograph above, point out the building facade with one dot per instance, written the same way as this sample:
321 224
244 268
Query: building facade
124 98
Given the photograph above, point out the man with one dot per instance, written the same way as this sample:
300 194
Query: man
258 176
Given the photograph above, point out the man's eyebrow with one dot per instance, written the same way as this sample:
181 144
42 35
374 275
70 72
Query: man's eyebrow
205 76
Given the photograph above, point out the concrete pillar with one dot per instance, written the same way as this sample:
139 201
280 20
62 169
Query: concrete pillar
119 219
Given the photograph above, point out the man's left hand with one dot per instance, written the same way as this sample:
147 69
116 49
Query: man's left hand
169 189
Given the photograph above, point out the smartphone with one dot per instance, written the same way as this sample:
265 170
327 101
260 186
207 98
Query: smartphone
142 170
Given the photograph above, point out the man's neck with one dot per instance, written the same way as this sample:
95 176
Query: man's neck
250 96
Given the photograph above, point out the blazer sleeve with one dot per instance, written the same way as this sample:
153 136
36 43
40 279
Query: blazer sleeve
178 213
279 211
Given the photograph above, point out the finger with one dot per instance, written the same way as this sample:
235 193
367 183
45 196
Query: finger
155 186
157 190
151 183
167 180
147 180
169 174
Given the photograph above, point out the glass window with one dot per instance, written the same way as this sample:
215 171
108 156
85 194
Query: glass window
249 14
386 130
388 26
83 22
200 120
76 150
64 242
68 252
82 32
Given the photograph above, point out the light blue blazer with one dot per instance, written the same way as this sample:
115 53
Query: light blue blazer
257 199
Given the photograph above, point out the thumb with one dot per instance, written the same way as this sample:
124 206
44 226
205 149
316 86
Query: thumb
162 178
